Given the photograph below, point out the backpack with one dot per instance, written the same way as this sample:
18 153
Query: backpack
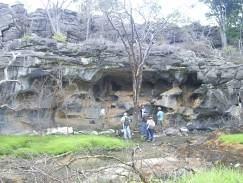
152 125
127 121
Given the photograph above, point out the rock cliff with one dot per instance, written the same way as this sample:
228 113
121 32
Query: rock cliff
45 83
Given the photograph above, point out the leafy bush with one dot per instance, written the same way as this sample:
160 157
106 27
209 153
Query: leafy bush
59 37
229 50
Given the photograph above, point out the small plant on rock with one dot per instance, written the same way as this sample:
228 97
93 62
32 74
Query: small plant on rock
59 37
26 37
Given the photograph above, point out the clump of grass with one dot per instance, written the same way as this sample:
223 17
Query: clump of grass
232 139
54 145
60 37
218 174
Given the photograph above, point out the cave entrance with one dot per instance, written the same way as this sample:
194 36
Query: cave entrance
191 99
121 82
114 93
111 83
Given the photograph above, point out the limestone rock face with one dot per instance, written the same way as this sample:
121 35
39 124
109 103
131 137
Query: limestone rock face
169 98
46 84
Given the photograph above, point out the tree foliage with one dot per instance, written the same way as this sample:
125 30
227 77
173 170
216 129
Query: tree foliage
227 14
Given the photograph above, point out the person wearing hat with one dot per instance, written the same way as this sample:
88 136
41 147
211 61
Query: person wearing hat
125 120
150 128
160 116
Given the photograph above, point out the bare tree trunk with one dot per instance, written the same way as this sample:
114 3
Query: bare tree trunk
223 36
53 115
88 27
240 40
222 21
137 83
135 100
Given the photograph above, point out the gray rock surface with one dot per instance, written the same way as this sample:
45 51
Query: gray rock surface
45 83
172 132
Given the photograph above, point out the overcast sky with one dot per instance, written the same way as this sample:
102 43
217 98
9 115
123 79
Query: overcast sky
192 10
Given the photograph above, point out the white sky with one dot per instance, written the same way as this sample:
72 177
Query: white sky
191 10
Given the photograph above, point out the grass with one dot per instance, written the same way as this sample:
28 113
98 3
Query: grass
232 139
214 175
54 145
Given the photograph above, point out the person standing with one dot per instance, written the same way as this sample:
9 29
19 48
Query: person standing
150 129
160 117
126 126
143 128
143 112
102 117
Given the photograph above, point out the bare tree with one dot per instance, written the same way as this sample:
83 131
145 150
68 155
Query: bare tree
137 39
240 32
54 9
87 9
20 21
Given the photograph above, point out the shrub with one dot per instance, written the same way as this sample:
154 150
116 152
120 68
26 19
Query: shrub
59 37
232 54
26 37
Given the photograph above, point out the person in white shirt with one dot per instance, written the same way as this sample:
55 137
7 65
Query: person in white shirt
143 112
150 129
102 117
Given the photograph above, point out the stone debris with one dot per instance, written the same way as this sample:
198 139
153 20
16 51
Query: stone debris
59 130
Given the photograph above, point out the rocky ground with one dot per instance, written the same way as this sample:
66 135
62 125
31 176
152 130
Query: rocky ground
166 157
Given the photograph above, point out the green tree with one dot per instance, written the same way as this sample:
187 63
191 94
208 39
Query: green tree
239 26
225 13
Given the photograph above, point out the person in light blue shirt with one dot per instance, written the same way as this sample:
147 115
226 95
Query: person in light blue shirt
160 116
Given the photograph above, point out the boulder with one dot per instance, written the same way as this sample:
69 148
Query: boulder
234 111
184 131
169 98
239 74
172 132
107 132
86 132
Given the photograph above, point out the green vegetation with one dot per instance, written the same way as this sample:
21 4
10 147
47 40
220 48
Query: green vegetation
220 174
232 139
59 37
53 145
26 37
